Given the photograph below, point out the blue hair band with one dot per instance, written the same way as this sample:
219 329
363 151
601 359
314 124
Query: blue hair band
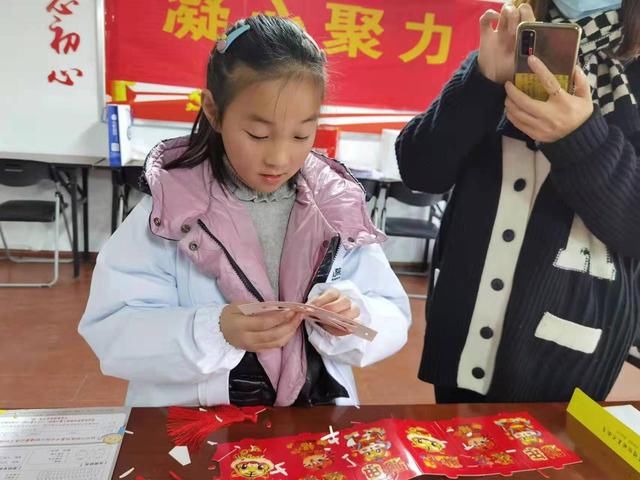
225 42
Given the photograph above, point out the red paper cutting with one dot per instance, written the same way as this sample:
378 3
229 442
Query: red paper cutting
402 449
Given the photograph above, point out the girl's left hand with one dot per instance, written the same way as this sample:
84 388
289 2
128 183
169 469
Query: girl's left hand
334 301
556 118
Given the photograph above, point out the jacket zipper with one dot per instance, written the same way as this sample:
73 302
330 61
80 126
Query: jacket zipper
315 274
236 268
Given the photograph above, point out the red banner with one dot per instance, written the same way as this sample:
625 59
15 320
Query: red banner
382 54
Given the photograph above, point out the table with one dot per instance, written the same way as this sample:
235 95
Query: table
123 179
68 168
147 449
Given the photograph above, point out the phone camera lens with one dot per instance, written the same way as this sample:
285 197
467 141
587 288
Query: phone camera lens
528 42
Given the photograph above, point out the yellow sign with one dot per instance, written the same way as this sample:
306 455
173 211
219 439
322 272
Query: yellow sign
353 30
428 27
197 18
281 10
615 434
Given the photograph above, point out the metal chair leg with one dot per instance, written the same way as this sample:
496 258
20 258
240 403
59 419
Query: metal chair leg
425 263
121 210
56 256
27 259
415 296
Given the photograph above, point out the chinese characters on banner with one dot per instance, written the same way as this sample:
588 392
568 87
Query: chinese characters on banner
64 42
383 55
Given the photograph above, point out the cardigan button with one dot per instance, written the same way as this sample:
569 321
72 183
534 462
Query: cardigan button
508 235
193 246
156 221
486 332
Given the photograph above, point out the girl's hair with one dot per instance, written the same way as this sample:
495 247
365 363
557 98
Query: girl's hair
272 48
630 46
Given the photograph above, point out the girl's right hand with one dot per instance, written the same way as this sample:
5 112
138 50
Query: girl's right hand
259 332
496 58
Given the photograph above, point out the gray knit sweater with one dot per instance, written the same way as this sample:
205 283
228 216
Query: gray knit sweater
270 214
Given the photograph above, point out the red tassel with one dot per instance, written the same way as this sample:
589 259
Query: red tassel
191 427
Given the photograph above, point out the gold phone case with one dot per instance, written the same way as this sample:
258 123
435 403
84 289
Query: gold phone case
556 45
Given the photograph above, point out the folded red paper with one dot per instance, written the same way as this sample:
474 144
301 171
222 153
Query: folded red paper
401 449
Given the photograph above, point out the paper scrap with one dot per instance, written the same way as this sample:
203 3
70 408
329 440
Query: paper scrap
237 447
127 473
181 455
332 437
279 469
346 457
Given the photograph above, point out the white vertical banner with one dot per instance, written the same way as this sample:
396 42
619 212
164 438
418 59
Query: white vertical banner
49 87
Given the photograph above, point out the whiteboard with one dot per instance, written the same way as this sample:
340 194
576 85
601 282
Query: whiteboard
41 117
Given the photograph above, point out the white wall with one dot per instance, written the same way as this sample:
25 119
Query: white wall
38 116
41 117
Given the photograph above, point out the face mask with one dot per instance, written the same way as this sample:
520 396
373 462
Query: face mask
577 9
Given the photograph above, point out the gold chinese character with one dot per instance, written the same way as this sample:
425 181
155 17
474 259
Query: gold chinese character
281 10
198 18
428 27
351 30
195 101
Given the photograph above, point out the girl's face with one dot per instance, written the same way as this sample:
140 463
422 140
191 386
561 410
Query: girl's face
269 128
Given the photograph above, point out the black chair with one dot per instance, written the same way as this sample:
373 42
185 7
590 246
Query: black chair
23 173
634 356
127 178
371 191
413 227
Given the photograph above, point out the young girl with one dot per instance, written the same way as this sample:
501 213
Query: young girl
242 211
539 250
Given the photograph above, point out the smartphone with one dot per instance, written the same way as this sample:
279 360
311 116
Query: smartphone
556 44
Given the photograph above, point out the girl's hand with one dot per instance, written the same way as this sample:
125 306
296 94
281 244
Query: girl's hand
334 301
496 58
258 332
556 118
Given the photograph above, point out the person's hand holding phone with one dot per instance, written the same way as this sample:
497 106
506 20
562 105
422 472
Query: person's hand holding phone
555 118
497 45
